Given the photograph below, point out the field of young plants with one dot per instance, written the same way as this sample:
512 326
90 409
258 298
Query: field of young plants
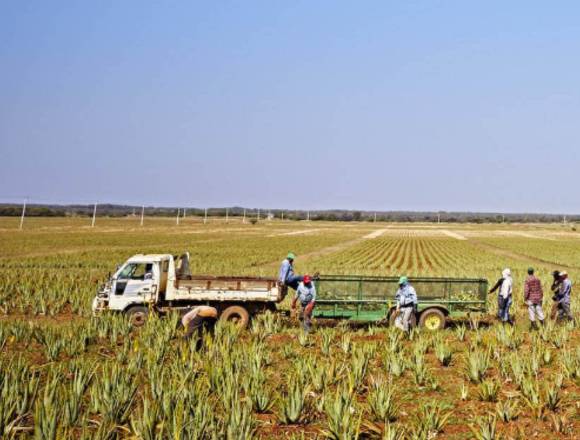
67 375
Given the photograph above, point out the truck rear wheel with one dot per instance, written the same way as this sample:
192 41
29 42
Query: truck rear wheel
432 319
236 314
137 315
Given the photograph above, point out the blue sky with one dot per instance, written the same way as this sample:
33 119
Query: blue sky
380 105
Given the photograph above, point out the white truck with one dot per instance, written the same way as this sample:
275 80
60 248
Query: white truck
162 282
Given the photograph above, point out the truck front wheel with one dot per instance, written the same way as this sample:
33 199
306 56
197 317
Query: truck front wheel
137 315
432 319
237 314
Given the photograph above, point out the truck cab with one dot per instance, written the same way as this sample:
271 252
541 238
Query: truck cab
137 283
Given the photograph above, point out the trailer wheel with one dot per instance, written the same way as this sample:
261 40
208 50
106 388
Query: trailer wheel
137 315
432 319
236 314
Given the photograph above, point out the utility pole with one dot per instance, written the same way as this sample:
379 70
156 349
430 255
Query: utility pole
177 217
258 213
22 216
205 216
142 214
94 215
227 212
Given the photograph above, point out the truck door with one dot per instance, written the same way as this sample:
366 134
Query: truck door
135 283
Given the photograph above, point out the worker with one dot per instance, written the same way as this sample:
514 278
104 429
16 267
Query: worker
286 276
504 296
563 297
533 297
495 287
406 298
306 294
199 319
555 290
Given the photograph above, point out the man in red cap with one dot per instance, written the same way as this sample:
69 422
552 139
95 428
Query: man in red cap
306 294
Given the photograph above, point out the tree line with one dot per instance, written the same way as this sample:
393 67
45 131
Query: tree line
111 210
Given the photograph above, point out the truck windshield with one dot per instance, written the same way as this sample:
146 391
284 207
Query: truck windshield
136 271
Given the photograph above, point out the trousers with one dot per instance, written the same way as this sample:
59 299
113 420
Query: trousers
403 320
535 311
293 281
504 311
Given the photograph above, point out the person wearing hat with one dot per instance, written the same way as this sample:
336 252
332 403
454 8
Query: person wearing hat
286 276
563 297
533 297
406 298
306 294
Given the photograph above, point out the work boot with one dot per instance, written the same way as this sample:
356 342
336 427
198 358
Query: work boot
533 326
541 322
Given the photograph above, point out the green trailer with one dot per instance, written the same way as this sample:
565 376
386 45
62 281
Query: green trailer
371 298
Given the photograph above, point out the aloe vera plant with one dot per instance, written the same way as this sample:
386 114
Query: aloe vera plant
484 428
477 363
291 403
430 420
488 391
382 402
507 410
343 423
443 353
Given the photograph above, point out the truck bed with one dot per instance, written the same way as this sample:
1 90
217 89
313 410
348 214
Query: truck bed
226 288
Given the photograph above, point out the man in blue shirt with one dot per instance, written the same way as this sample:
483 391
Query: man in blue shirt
406 298
286 276
306 294
562 297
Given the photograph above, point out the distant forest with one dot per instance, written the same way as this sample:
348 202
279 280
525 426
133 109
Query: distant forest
110 210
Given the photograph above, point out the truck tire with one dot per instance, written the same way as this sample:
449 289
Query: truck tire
392 318
432 319
236 314
137 315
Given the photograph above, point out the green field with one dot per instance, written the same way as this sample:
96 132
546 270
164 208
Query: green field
64 374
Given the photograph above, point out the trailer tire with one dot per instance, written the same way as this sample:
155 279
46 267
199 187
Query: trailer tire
137 315
432 319
236 314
